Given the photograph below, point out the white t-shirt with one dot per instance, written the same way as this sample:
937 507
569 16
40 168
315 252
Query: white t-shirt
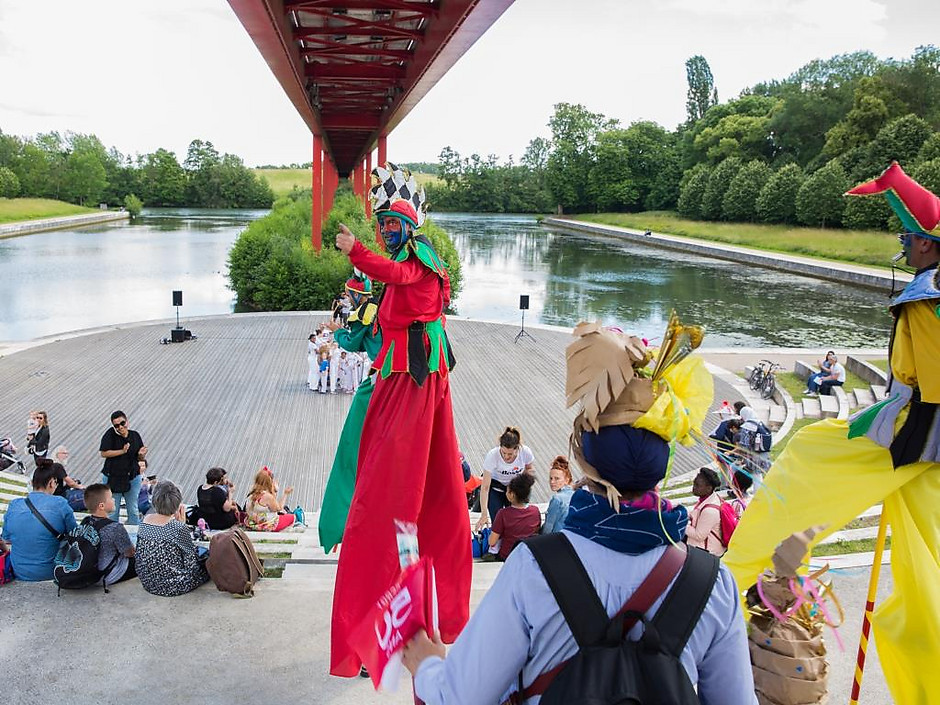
838 370
503 472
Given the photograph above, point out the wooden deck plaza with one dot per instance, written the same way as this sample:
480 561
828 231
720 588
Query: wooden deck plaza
237 398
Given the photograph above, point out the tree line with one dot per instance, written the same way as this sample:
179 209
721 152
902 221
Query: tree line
783 151
79 169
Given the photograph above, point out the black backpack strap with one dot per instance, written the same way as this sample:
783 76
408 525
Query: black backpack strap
573 590
679 613
32 507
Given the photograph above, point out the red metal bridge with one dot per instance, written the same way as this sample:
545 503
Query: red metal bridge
355 68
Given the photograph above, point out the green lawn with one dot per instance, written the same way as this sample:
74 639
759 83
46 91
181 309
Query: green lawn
867 247
881 364
16 209
840 547
283 180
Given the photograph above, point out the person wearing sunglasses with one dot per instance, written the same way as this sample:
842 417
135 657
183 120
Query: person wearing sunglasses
121 448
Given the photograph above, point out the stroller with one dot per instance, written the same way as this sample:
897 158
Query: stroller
8 459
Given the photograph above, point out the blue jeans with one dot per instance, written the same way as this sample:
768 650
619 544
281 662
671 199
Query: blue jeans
130 501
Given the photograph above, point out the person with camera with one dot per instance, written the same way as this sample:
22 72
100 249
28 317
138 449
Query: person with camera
216 505
121 448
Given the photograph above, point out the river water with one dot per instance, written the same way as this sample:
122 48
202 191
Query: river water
71 279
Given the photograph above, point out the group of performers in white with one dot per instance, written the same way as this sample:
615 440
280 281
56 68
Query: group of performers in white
330 369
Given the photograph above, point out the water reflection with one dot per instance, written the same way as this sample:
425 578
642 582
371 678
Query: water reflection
571 278
117 273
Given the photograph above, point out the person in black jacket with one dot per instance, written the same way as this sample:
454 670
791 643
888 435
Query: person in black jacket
216 505
38 445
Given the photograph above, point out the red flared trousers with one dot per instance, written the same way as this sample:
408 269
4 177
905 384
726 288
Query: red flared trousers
409 469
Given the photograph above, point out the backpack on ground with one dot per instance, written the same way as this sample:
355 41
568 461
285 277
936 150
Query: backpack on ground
6 568
76 563
480 543
233 564
609 668
757 440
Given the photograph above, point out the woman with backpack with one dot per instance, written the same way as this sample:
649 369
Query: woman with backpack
704 530
620 548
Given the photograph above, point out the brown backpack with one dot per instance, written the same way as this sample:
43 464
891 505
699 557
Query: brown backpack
233 564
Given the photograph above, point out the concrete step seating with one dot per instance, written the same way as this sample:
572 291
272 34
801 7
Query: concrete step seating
863 397
812 408
829 406
879 391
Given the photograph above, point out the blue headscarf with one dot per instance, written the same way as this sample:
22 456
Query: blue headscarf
631 459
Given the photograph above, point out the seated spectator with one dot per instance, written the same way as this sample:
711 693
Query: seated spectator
67 487
560 481
216 505
33 544
725 434
812 384
146 488
823 384
168 562
116 549
704 530
265 512
737 496
518 521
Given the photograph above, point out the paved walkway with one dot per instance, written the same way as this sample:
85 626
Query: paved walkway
25 227
236 397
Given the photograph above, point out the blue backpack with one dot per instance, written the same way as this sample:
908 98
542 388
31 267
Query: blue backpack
480 543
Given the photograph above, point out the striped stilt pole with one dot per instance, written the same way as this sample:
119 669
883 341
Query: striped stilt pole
869 608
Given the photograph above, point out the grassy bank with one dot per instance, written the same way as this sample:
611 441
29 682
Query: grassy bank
866 247
13 210
283 180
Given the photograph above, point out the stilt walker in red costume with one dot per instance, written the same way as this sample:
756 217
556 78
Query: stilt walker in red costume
409 466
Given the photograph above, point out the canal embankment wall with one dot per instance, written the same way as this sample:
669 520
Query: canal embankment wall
844 272
25 227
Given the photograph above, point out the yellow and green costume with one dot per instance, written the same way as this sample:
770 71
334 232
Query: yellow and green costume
832 471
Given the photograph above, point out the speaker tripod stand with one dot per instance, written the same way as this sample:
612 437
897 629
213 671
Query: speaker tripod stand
523 333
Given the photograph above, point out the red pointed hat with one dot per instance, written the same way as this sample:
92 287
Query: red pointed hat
403 209
918 208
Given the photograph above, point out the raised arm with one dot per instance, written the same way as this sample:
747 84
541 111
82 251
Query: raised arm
376 266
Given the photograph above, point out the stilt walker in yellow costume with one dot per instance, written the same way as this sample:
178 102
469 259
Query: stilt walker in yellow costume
833 470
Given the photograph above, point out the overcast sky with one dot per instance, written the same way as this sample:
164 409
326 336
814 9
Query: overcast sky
143 74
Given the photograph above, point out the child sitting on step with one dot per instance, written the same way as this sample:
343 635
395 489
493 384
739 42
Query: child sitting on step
514 523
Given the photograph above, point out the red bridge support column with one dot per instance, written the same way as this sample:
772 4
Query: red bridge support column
330 182
367 183
316 190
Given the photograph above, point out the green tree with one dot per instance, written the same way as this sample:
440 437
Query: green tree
930 149
692 189
740 201
927 174
869 114
85 180
611 186
901 140
162 179
9 183
702 93
820 202
777 200
133 205
866 213
718 183
575 130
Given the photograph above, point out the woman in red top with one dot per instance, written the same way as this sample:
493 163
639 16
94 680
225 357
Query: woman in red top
518 521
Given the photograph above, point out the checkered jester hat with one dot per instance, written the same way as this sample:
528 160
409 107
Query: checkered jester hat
391 184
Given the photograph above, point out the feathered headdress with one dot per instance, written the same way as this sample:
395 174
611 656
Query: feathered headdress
608 373
391 183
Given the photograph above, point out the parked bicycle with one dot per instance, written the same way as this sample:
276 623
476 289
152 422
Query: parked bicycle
763 378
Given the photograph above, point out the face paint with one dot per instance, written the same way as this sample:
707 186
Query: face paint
393 232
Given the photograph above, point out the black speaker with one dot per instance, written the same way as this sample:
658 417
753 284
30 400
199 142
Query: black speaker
524 302
177 298
177 335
